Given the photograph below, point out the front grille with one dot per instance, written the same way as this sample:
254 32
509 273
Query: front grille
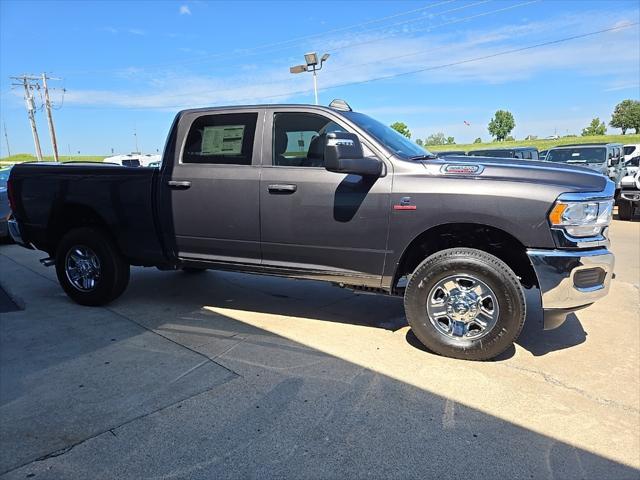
131 163
589 277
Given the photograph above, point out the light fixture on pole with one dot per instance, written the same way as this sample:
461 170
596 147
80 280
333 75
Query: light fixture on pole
311 65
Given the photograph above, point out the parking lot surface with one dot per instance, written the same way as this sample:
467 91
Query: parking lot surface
225 375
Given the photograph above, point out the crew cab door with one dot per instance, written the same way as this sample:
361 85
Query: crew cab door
311 219
210 194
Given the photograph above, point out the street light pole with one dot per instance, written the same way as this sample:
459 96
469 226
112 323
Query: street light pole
311 65
315 84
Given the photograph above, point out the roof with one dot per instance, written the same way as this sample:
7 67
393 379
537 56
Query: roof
503 149
593 144
265 105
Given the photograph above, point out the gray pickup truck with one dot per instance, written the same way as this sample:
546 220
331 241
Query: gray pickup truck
326 193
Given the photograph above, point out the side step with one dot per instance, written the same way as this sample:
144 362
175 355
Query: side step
48 262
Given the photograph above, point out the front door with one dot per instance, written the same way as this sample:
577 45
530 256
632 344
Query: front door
213 190
313 219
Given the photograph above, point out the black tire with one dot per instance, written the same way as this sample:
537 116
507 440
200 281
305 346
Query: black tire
114 270
488 269
193 270
625 210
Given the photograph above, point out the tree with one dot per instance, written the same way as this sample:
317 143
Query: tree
626 115
451 141
436 139
401 128
477 140
596 127
509 139
419 142
501 124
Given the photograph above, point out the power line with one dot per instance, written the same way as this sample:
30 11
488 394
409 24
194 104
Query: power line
47 104
445 65
351 66
260 49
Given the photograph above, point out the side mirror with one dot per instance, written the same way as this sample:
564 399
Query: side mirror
343 154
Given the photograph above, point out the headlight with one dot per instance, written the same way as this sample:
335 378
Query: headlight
581 219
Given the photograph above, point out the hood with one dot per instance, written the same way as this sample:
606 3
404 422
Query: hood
572 178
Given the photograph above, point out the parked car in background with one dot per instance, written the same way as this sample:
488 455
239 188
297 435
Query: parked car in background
604 158
326 193
630 151
629 202
631 158
449 153
134 159
526 153
5 210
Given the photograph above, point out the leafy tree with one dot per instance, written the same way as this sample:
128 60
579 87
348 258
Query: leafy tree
509 139
596 127
436 139
477 140
501 124
402 128
626 115
451 141
419 142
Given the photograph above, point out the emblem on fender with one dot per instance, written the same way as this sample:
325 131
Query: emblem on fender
461 169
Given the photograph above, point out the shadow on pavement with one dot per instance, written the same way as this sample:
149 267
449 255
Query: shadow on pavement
93 395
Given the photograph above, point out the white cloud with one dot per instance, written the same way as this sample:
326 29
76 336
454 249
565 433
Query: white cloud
369 57
136 31
185 10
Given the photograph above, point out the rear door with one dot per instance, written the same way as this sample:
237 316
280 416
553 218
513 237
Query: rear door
313 219
211 192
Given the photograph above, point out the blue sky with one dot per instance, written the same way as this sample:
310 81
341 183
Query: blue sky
133 65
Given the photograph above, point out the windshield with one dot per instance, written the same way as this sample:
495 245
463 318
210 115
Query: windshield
394 141
577 155
628 150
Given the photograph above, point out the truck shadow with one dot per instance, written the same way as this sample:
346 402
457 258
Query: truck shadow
318 301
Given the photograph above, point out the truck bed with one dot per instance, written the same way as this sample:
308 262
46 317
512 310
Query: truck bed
53 195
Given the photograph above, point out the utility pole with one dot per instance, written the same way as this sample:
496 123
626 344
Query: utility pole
26 82
6 137
47 104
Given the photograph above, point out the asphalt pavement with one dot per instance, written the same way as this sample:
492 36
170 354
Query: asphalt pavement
226 375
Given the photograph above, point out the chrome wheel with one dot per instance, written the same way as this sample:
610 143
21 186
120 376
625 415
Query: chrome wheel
462 306
82 268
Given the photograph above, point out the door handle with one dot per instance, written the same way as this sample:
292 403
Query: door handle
283 188
178 185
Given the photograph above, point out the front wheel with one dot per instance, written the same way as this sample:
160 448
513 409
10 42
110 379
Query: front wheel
465 303
90 269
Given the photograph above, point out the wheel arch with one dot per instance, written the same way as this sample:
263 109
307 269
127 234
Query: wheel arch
488 238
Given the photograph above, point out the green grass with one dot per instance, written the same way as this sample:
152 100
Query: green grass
25 157
539 144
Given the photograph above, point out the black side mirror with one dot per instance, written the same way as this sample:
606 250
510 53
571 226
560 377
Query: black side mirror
343 154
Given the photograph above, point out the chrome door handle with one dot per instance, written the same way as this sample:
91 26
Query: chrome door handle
282 188
178 185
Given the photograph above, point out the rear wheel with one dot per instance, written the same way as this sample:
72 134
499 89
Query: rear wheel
465 303
90 269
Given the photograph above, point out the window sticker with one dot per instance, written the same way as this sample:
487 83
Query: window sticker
222 140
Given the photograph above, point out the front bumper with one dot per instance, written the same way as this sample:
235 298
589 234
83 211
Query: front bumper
570 280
